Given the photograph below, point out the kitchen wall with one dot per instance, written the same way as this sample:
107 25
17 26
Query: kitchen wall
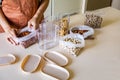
49 9
116 4
71 6
97 4
66 6
0 1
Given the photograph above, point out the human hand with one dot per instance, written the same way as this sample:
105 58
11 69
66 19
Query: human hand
35 21
11 33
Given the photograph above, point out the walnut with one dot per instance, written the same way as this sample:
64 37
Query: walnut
80 31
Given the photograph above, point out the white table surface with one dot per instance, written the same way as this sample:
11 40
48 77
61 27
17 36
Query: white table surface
99 60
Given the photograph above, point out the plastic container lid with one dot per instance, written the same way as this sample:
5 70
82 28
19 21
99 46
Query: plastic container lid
7 59
56 57
56 71
30 63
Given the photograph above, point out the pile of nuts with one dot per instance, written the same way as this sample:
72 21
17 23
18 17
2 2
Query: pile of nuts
93 21
80 31
75 51
25 37
72 45
72 50
64 26
73 40
23 34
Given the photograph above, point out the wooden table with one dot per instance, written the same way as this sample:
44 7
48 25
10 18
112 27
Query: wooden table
99 60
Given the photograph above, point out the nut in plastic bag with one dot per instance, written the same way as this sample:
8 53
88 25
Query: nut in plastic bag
73 43
93 20
84 30
26 37
63 23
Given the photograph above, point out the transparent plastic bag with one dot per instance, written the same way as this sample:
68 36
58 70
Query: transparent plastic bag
93 20
63 22
73 43
84 30
26 37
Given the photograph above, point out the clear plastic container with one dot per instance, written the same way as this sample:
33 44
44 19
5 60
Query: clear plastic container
26 37
48 33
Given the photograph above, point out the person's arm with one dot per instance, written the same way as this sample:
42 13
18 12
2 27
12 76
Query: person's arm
3 21
5 25
7 28
37 18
